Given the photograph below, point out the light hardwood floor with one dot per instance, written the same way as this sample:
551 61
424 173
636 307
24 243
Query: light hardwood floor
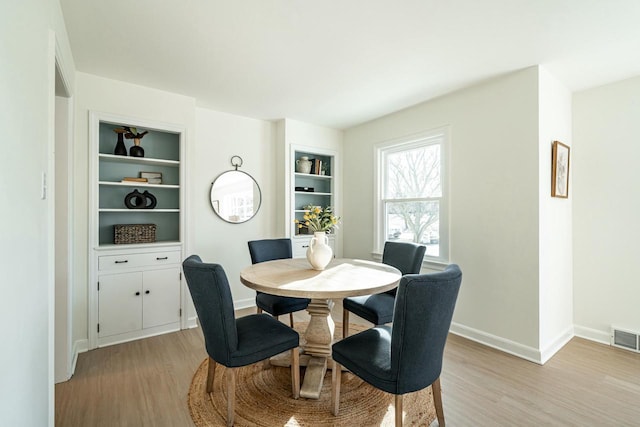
145 383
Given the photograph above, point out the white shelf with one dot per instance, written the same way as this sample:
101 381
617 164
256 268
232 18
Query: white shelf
137 184
138 160
139 210
313 193
312 175
154 245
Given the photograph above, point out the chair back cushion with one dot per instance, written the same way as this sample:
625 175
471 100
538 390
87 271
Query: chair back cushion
212 299
422 317
405 256
269 249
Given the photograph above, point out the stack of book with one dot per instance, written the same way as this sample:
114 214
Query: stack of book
133 179
152 177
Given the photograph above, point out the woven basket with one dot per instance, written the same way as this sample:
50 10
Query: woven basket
134 233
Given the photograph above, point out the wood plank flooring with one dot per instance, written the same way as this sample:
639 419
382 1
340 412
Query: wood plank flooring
145 383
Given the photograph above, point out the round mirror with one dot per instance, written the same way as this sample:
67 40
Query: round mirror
235 196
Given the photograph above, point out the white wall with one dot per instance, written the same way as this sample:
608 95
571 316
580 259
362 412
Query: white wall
29 31
219 136
606 230
555 229
115 97
494 201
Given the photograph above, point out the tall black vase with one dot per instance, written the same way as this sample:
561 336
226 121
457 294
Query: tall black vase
120 149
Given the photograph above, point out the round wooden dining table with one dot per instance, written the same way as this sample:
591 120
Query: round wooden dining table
294 277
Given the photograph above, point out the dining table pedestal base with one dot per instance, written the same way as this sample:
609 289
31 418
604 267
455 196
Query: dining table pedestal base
318 339
315 347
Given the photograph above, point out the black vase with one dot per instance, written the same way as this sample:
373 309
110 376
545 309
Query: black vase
137 200
150 201
120 149
136 150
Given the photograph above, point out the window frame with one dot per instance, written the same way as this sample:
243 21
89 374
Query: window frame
425 138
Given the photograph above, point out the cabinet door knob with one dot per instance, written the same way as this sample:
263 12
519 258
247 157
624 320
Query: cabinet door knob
147 292
122 262
305 246
161 258
137 293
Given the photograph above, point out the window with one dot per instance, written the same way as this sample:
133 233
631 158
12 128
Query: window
412 193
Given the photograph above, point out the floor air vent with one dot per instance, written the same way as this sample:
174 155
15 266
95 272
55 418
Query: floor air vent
625 339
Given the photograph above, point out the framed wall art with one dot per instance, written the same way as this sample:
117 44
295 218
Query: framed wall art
560 170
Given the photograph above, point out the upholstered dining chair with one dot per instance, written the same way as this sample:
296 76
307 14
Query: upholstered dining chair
269 250
378 308
406 356
233 342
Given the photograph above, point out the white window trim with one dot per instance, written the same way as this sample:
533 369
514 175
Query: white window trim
434 263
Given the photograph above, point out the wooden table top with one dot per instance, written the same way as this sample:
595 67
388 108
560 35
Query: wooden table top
294 277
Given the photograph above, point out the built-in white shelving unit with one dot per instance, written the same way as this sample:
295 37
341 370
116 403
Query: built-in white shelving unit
135 288
320 185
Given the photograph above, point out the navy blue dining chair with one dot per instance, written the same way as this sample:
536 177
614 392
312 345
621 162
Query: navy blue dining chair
378 308
406 356
269 250
233 342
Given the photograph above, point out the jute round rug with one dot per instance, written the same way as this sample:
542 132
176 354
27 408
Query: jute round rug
263 398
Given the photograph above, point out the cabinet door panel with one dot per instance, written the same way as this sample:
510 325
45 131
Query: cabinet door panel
119 308
161 290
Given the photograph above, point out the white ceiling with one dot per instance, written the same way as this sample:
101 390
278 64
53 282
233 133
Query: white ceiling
339 63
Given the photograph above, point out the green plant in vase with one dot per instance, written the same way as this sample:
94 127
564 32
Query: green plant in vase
319 219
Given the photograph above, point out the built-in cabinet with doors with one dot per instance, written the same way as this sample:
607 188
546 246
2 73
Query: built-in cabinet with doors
313 182
136 231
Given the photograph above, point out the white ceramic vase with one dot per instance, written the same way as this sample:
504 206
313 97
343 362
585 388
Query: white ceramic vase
319 253
303 165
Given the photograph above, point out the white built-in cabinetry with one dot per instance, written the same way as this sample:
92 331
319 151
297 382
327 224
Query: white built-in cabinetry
317 188
135 289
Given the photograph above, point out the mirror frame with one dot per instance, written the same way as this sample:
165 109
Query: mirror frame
211 201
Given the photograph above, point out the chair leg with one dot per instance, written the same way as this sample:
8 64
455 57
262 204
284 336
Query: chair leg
231 395
295 372
336 378
398 410
291 319
436 390
258 310
210 375
345 323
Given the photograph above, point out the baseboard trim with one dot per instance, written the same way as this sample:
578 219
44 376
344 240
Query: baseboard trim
244 303
529 353
557 344
192 322
79 346
520 350
602 337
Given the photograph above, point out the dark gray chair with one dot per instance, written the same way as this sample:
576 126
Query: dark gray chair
406 356
235 342
268 250
378 309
